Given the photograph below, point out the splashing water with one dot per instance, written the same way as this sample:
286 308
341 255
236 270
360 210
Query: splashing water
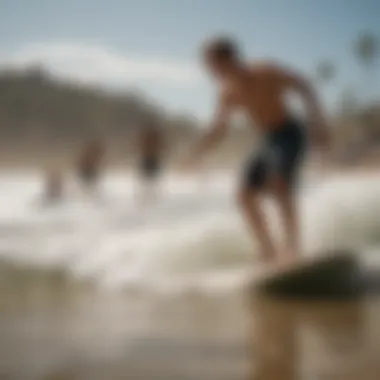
193 233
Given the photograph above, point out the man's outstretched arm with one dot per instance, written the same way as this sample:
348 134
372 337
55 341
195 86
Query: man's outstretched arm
315 114
218 128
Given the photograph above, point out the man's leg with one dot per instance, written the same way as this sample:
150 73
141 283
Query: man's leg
285 198
287 152
250 205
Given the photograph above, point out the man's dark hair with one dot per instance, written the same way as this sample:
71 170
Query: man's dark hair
222 48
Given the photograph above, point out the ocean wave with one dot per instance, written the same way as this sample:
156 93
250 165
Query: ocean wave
192 235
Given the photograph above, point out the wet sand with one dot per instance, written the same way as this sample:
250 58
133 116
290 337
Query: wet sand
67 334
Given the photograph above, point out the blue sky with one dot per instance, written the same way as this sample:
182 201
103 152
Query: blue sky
153 44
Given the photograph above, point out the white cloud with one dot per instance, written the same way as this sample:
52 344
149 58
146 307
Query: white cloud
99 65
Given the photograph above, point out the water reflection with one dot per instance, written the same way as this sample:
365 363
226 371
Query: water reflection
72 336
315 340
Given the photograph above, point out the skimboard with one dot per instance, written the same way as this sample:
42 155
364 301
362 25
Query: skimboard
330 274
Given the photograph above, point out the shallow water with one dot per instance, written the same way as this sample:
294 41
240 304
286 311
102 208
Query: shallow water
193 234
109 290
191 336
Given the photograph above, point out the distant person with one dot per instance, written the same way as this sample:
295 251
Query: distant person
89 165
53 188
150 147
259 91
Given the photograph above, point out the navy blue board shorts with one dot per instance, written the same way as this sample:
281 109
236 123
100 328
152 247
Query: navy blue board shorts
280 155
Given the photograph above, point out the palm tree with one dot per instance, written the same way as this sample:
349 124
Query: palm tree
324 73
366 50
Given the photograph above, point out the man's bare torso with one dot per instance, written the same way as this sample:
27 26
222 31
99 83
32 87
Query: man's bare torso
259 93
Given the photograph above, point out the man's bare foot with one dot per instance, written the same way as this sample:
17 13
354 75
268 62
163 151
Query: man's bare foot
262 264
286 260
268 254
267 259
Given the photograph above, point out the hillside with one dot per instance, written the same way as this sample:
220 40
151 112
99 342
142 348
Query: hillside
44 120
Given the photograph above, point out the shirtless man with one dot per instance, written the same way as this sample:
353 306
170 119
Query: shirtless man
150 150
54 187
89 164
150 147
258 90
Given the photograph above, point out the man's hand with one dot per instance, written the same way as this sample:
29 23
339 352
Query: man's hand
318 131
217 131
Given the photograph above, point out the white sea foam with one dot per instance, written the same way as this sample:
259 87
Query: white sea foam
193 234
